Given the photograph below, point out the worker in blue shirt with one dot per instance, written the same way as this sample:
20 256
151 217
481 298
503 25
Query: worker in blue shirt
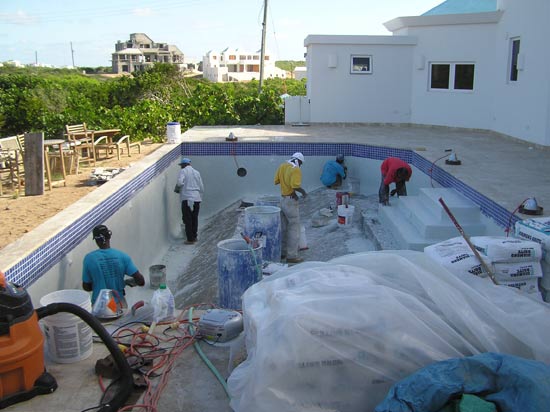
333 172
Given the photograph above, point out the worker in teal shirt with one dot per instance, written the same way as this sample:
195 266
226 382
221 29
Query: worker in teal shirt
333 172
106 267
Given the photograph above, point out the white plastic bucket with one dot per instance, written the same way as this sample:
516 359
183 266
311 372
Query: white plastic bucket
69 338
173 132
345 214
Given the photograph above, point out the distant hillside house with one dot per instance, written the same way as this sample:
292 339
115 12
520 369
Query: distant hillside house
140 53
234 65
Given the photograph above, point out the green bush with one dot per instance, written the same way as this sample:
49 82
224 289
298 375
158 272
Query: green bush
46 100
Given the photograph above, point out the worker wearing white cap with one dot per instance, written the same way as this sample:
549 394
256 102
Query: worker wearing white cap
289 176
191 189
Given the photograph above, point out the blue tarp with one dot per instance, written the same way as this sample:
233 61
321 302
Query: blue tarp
510 382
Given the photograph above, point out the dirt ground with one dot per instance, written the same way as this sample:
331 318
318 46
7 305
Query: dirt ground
20 214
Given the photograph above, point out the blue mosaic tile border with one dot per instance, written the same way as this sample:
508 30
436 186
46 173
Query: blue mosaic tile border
439 175
33 266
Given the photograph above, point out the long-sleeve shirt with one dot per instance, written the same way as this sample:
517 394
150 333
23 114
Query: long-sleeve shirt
191 184
289 176
389 169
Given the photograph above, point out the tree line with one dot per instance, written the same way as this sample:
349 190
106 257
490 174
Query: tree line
42 99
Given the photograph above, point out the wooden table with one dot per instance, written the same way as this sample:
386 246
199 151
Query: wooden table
109 134
53 143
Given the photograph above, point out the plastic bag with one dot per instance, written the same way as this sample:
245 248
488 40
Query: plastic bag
510 382
346 330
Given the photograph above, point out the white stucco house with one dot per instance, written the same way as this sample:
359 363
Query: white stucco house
235 65
479 64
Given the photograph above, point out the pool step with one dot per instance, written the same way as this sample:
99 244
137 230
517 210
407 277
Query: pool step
419 221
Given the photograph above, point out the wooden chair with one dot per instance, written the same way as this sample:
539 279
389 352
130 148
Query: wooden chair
6 170
12 160
82 141
103 144
69 155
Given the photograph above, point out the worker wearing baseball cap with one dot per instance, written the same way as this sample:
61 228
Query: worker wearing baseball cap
289 177
190 188
106 267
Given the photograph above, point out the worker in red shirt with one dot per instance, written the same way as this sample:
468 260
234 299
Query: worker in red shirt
396 171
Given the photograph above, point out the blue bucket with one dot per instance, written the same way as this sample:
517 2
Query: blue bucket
239 267
267 220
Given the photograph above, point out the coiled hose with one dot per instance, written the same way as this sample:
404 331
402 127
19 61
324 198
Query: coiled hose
126 379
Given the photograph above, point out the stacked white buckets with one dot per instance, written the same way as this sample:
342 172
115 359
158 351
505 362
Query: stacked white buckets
69 338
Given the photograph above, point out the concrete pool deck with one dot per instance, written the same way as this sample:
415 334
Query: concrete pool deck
505 170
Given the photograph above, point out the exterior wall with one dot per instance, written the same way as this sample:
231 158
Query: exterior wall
523 107
398 89
464 108
336 95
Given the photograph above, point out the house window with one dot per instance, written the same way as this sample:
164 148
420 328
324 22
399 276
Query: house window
452 76
232 57
361 64
514 53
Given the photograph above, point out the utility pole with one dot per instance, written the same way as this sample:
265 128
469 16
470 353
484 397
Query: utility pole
262 54
36 57
72 53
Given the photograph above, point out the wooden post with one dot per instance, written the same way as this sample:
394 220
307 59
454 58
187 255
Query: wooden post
33 162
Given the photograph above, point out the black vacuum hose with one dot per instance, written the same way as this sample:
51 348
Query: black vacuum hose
126 378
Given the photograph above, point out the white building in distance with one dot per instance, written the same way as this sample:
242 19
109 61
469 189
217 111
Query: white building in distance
235 65
470 64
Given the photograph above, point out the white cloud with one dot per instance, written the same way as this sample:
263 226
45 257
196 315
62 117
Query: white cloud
19 18
143 12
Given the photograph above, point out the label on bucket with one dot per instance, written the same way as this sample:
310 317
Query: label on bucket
341 220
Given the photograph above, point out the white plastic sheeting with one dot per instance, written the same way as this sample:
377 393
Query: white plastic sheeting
335 336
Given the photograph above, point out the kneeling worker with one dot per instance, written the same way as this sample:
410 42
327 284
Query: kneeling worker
333 172
396 171
106 267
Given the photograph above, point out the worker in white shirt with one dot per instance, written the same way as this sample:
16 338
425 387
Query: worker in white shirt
191 189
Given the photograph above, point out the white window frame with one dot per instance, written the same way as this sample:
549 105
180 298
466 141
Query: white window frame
363 56
452 74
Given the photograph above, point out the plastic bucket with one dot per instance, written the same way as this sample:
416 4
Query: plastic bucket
157 275
341 198
173 132
345 214
267 220
269 201
69 338
239 267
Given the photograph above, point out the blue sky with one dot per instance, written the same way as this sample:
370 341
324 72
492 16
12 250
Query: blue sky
46 28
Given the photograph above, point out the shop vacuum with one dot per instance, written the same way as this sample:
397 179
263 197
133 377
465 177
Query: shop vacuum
22 371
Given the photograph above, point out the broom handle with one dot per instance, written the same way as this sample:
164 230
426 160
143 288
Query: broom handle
467 239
